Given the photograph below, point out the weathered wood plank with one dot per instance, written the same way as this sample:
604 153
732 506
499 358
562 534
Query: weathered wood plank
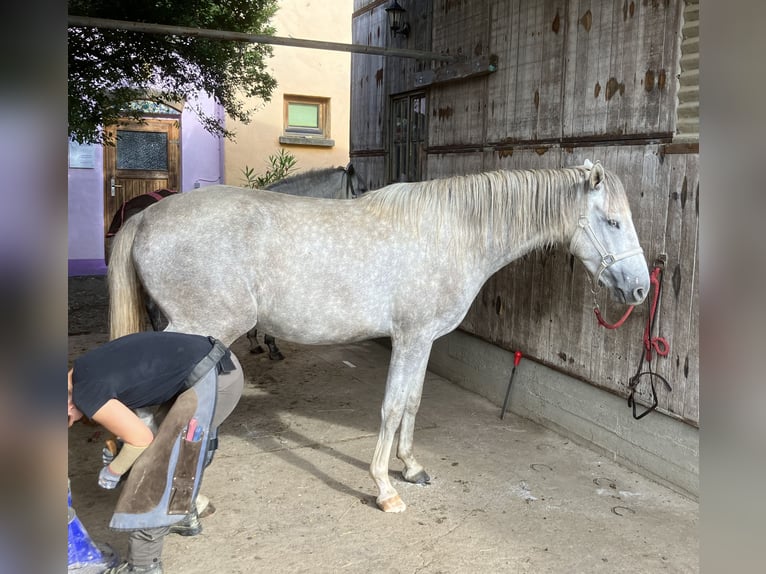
372 168
548 98
501 41
447 165
547 106
580 90
680 284
457 113
522 125
368 97
476 67
623 33
621 68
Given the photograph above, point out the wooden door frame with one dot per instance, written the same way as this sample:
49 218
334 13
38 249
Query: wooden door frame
171 125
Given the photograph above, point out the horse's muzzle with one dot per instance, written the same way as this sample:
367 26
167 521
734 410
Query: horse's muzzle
631 297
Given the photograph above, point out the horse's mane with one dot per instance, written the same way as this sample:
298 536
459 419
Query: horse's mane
495 208
301 182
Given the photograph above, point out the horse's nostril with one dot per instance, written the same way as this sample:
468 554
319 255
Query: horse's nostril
639 293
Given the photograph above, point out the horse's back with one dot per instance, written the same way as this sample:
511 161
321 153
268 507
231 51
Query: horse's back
236 208
264 231
289 262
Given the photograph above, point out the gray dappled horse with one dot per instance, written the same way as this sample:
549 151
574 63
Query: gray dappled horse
330 182
421 253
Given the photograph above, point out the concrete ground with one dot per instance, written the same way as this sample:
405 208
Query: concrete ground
292 493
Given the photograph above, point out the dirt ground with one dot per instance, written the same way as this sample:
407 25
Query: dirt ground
292 493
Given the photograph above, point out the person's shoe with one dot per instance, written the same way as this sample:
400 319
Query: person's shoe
201 503
204 506
127 567
189 526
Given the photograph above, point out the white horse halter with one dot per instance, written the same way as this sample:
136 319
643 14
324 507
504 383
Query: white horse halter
607 259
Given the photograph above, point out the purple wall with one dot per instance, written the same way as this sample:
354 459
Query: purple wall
86 214
201 165
202 153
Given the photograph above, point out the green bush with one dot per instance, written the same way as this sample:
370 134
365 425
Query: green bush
281 165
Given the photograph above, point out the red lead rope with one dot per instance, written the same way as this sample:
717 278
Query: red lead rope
603 323
659 344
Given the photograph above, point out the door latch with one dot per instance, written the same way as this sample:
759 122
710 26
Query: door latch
114 186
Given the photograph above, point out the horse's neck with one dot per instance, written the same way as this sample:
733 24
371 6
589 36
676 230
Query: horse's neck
313 185
530 210
328 185
497 258
543 208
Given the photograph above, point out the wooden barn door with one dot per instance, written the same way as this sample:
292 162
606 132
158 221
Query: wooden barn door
408 138
146 158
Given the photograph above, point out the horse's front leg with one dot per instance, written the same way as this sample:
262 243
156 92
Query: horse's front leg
405 374
413 471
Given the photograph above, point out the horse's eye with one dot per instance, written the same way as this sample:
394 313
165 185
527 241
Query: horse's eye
613 223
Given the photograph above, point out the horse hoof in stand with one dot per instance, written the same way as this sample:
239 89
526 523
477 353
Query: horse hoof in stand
257 350
393 504
277 356
420 477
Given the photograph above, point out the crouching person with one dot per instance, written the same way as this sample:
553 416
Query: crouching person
202 382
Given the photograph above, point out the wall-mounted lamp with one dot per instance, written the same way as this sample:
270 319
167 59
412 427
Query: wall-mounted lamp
396 19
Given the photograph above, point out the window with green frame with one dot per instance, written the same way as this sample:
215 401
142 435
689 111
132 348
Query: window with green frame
303 118
306 121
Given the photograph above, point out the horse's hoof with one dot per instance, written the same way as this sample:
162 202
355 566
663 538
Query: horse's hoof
278 356
419 478
393 504
257 350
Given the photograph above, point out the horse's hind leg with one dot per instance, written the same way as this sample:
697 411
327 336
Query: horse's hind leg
252 336
274 353
405 376
155 315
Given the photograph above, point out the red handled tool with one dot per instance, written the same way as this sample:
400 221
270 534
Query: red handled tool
516 361
190 430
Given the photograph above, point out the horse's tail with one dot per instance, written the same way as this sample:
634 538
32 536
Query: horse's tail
125 293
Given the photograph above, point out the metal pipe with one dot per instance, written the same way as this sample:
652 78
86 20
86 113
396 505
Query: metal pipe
86 21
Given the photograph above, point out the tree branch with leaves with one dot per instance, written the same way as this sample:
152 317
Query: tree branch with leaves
110 68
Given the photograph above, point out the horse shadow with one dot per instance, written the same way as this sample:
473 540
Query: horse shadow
315 391
288 444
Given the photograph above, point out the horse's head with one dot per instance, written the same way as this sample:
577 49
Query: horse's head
605 238
355 184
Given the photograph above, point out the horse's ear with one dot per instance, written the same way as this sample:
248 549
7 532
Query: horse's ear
596 175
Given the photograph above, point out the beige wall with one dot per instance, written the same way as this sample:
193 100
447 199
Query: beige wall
299 71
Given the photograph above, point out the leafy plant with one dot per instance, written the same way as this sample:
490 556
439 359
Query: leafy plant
281 165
